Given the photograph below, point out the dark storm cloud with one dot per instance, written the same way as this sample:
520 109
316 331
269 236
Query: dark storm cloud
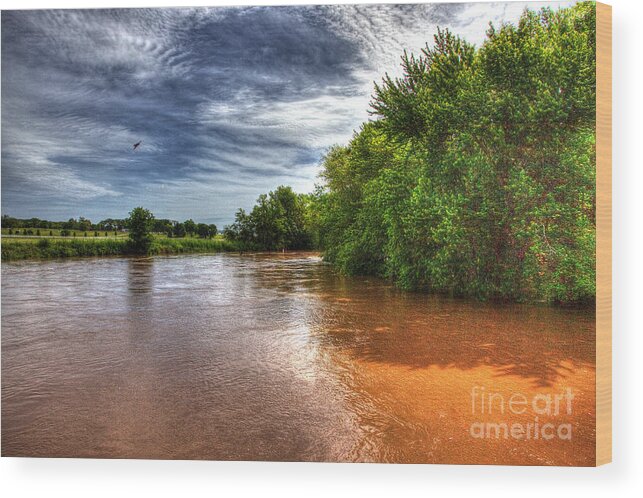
229 102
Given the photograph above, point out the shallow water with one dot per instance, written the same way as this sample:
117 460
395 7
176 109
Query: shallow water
275 357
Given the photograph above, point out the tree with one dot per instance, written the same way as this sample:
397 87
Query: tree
277 222
9 222
263 221
206 231
288 212
179 230
140 223
241 230
190 226
84 224
162 226
203 230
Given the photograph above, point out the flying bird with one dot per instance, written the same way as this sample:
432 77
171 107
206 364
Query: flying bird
137 144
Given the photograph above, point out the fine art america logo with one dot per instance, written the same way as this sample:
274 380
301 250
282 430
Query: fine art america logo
542 412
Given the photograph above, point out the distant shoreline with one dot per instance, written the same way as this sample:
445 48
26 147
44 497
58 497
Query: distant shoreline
40 248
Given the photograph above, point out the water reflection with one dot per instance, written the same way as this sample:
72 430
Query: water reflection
273 357
540 344
140 285
140 273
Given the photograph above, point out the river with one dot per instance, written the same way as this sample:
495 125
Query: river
276 357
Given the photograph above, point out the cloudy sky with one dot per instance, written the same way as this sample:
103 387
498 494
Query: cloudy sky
229 102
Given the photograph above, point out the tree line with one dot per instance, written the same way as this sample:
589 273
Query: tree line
37 226
78 224
477 175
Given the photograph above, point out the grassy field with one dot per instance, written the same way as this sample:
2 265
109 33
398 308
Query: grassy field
51 247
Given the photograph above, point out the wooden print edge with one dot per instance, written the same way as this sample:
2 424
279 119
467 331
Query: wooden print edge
603 233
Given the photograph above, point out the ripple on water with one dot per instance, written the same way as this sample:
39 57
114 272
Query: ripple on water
271 357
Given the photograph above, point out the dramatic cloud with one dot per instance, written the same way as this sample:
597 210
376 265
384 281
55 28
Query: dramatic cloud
229 102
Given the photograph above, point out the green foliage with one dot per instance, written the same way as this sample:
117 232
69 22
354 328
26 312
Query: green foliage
179 230
277 222
206 231
190 226
140 224
478 178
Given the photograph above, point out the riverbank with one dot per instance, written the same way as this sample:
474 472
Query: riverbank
54 248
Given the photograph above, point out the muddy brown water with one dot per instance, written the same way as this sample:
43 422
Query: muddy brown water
276 357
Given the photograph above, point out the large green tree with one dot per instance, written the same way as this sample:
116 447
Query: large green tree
140 224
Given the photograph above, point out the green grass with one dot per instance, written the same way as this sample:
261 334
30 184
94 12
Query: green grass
50 248
15 248
163 245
